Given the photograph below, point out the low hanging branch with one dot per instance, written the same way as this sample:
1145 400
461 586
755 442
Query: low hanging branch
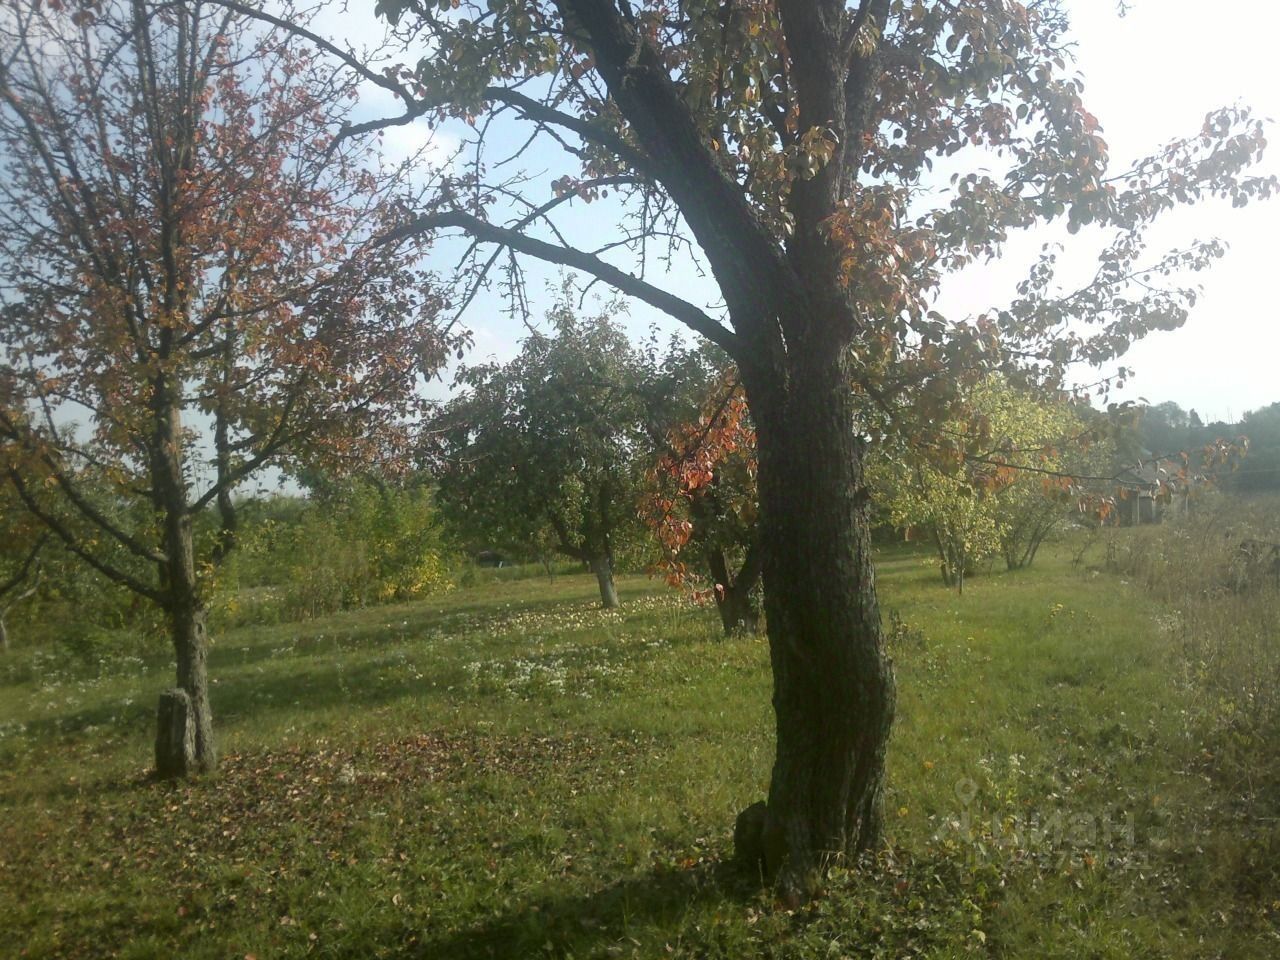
626 283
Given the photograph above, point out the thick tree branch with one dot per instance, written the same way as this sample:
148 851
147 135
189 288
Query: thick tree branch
563 539
745 257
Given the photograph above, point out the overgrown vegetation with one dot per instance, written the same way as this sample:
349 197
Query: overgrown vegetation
1215 572
351 544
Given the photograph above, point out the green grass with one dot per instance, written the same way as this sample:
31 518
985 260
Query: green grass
507 771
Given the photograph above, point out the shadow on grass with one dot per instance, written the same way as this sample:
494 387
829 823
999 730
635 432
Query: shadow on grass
371 628
296 685
620 914
89 793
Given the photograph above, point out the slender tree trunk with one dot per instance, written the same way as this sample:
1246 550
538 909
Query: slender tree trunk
734 600
4 635
1032 548
191 646
833 686
228 519
184 607
602 567
945 557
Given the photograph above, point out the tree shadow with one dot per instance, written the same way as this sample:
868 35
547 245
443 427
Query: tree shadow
89 792
371 628
589 924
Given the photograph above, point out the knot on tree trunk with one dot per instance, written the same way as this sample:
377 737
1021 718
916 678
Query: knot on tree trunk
175 735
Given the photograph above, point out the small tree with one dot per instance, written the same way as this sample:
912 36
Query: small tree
1000 485
703 505
549 446
1049 485
195 267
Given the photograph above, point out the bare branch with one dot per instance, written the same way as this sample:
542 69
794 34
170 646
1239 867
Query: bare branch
539 111
688 314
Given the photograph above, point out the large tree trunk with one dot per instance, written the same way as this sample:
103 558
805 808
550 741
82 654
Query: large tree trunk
833 686
602 567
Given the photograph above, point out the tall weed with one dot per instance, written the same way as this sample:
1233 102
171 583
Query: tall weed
1216 572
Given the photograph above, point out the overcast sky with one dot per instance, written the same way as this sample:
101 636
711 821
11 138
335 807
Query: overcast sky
1150 77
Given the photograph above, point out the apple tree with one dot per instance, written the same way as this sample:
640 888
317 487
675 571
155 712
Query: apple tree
197 285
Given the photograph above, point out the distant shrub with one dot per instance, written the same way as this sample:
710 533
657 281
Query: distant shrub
357 545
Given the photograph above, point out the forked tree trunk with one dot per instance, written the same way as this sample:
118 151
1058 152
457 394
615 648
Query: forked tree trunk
602 567
735 600
738 613
833 686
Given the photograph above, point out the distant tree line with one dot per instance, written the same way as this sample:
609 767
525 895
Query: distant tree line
1166 429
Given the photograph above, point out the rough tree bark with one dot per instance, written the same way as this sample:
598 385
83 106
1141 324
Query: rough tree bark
175 735
833 686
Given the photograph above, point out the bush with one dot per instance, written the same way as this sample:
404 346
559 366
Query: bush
357 545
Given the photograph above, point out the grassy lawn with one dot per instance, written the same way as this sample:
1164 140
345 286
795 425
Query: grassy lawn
507 771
